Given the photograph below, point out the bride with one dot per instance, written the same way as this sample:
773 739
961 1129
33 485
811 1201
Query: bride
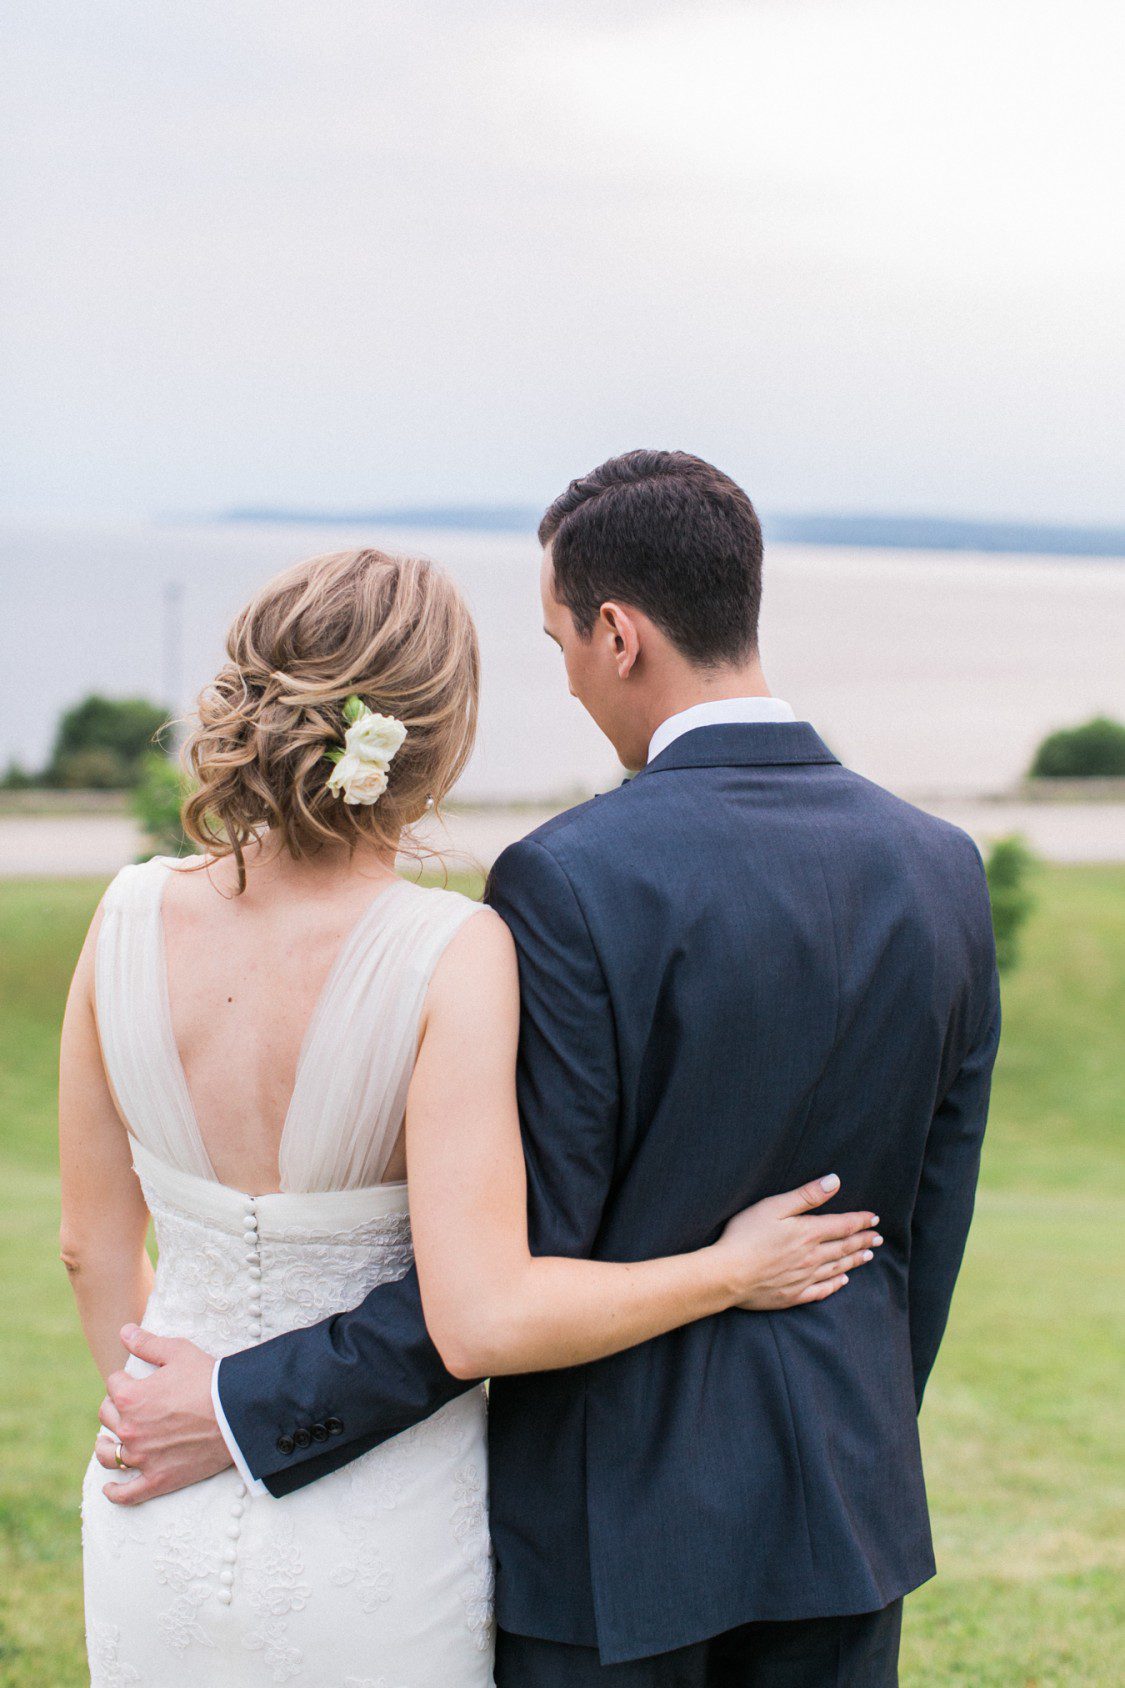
259 1041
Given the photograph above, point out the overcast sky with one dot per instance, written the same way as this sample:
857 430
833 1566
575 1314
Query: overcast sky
867 254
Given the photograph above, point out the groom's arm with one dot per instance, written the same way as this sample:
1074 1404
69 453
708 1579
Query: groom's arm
943 1207
309 1401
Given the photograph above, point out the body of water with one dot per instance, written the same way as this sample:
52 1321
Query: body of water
927 671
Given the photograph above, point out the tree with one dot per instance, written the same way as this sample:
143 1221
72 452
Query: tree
1009 863
103 742
157 800
1086 752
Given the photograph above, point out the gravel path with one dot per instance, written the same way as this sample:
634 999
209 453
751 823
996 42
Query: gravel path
96 845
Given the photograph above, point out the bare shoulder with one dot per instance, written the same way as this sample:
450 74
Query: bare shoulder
477 964
483 941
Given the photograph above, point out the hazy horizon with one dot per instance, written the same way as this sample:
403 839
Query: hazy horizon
926 671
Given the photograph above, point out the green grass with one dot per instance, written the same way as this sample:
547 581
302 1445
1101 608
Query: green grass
1019 1426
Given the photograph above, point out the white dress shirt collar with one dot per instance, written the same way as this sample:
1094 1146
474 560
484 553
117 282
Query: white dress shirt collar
722 712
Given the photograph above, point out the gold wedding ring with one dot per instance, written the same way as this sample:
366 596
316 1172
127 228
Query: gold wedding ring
118 1450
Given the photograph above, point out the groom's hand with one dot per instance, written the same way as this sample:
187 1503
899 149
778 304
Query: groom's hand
163 1424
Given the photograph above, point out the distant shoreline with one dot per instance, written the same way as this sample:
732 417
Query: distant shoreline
863 532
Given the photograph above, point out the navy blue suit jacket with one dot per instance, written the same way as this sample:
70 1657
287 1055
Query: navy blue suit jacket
744 968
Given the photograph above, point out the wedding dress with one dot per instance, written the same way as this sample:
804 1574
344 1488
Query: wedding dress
379 1574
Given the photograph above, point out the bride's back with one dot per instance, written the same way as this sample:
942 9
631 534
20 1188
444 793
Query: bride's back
266 1042
245 975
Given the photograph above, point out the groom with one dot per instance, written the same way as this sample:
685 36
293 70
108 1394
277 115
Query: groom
742 967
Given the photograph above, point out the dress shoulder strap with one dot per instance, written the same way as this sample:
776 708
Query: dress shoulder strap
359 1052
134 1020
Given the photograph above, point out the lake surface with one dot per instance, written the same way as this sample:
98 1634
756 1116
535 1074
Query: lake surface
930 672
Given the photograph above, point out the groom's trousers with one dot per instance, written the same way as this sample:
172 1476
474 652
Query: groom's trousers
852 1652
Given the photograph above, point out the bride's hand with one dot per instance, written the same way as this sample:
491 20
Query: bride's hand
778 1255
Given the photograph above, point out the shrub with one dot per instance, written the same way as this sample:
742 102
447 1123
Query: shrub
96 769
157 800
1097 748
17 778
1008 867
105 741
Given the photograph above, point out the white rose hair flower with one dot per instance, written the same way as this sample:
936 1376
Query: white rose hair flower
371 743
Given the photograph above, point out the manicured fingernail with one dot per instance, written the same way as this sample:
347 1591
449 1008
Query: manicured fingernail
845 1277
878 1241
831 1182
874 1219
868 1255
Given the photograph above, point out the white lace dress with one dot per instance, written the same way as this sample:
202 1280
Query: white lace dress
378 1575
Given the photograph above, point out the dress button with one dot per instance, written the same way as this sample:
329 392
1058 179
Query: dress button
226 1578
334 1426
249 1236
230 1554
319 1432
301 1437
285 1444
226 1596
240 1490
255 1269
234 1531
251 1218
237 1509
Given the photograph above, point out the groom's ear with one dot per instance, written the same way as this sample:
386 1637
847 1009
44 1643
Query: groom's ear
618 625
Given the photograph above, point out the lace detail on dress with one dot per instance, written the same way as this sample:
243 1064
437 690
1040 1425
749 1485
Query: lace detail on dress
274 1584
106 1667
200 1288
187 1564
203 1289
363 1566
470 1531
312 1280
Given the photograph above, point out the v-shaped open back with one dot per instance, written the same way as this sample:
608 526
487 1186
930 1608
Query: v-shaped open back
357 1055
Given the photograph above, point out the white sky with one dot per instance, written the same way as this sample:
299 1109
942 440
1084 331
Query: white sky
866 254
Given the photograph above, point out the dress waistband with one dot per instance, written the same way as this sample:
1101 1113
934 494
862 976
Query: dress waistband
285 1213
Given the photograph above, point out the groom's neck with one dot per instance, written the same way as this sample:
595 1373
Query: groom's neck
686 685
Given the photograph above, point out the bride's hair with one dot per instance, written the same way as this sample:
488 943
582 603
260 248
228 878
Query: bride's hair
393 630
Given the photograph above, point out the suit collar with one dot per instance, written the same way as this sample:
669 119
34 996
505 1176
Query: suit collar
744 744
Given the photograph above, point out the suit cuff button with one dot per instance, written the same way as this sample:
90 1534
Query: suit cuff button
285 1444
334 1426
301 1438
319 1432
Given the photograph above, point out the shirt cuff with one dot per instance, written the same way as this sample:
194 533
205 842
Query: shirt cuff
253 1484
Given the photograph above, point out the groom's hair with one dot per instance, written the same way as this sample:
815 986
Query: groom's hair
670 535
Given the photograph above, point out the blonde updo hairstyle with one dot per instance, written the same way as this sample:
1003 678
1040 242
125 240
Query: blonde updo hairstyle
393 630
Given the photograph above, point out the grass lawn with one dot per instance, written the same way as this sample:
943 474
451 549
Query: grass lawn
1021 1419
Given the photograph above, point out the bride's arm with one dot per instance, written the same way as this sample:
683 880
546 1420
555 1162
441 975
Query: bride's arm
491 1306
104 1218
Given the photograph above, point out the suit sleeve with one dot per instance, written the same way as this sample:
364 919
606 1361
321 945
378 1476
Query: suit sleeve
568 1073
311 1400
943 1207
